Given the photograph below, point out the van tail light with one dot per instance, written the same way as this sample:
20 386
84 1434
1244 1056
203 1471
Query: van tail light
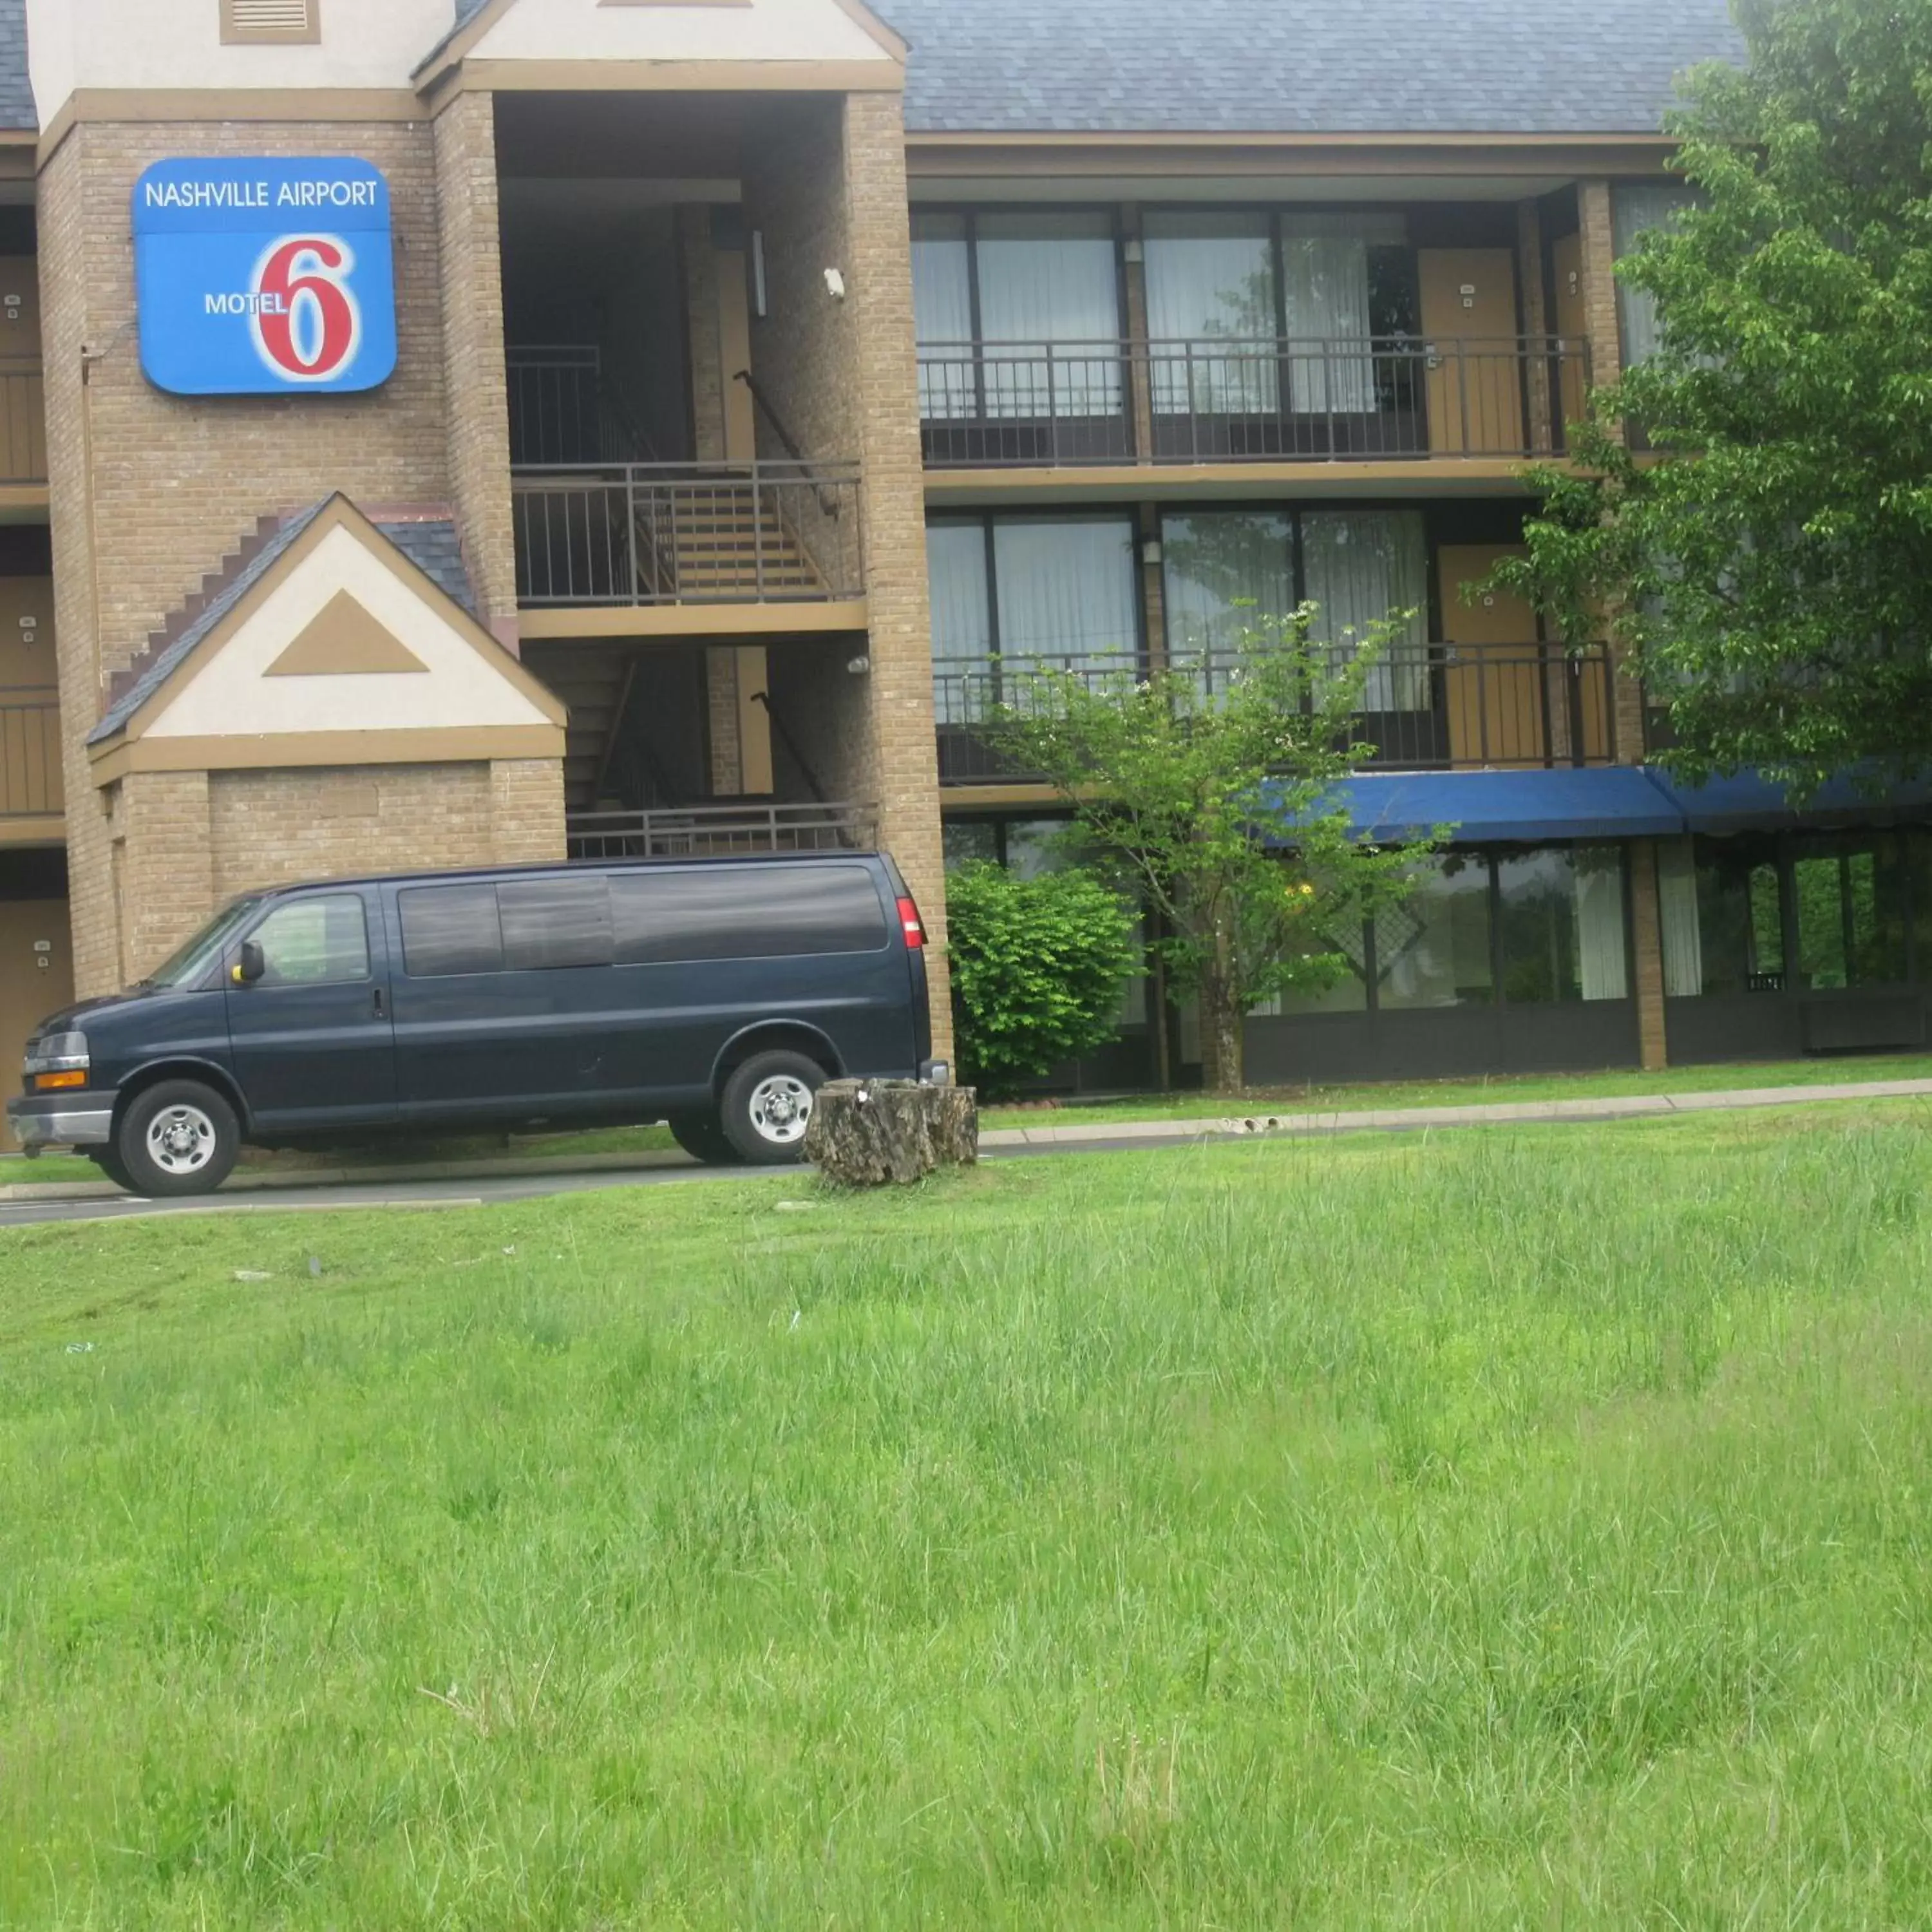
909 923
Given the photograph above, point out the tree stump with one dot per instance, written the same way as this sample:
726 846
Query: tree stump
864 1133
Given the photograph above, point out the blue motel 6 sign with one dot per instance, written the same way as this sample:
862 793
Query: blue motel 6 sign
264 277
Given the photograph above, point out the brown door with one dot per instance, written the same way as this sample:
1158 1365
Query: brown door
30 751
36 977
1475 373
1497 698
1572 324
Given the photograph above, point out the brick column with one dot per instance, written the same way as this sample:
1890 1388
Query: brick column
1535 321
1140 369
1647 947
168 874
906 757
469 256
699 262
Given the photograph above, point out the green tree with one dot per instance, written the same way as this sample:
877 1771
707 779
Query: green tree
1039 966
1767 552
1206 795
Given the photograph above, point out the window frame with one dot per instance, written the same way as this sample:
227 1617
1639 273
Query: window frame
280 906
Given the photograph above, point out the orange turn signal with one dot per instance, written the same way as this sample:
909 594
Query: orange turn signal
45 1083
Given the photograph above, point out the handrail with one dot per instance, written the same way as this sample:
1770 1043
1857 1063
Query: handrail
709 829
787 441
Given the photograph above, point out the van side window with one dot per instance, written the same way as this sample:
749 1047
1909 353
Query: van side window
317 942
752 912
555 923
450 929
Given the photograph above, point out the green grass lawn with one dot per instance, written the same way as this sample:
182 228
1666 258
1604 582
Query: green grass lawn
1525 1527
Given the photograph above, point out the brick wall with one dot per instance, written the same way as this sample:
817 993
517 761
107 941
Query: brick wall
470 267
526 810
707 374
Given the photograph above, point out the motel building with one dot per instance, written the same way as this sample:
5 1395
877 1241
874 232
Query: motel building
436 432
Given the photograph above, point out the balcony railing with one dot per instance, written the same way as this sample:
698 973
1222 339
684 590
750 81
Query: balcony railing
715 831
30 754
1425 707
1364 399
638 533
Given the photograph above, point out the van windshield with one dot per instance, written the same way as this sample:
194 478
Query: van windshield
190 962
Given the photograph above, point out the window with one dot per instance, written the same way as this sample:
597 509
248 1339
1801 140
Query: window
552 922
1224 572
1850 891
1635 208
317 942
1722 906
747 913
270 22
1223 288
1561 913
1433 950
962 619
1021 284
450 929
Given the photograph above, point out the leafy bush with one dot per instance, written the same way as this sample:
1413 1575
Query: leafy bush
1038 967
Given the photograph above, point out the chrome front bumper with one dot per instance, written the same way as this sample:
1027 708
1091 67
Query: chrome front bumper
55 1122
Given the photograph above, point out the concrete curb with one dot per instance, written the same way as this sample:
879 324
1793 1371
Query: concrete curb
1113 1133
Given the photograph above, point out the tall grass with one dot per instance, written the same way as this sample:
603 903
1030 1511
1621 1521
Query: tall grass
1478 1531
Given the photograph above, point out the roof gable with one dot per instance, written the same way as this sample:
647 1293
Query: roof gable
330 639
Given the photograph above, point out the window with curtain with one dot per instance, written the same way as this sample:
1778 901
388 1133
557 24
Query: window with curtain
1065 587
962 624
942 310
1358 566
1049 316
1677 908
1561 913
1222 572
1212 315
1636 207
1324 285
1049 287
1434 950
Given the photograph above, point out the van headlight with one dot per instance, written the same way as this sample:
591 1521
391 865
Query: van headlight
56 1060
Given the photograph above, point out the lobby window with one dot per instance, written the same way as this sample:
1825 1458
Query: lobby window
270 22
1039 291
1722 902
1560 914
1433 949
1850 893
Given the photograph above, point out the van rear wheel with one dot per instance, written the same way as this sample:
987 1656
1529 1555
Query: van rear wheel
767 1103
703 1137
179 1137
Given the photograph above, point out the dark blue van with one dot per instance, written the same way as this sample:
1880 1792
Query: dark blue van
716 994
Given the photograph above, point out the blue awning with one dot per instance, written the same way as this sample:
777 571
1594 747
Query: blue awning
1597 801
1749 801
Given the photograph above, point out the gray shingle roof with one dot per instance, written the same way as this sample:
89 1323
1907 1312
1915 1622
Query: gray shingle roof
1459 66
432 546
16 95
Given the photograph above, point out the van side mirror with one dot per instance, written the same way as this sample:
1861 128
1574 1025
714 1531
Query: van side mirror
251 964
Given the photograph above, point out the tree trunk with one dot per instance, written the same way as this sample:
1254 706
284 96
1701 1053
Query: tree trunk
1222 1068
864 1133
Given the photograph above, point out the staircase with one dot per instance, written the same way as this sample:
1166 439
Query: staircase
594 681
722 542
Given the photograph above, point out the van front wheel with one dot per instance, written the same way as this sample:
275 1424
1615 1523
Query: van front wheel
178 1138
767 1103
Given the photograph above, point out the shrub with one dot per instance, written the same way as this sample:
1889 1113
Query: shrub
1038 967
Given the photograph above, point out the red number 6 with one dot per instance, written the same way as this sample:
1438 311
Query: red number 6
306 269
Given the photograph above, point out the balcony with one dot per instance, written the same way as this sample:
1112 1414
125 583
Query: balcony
1363 400
721 831
1430 707
31 799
